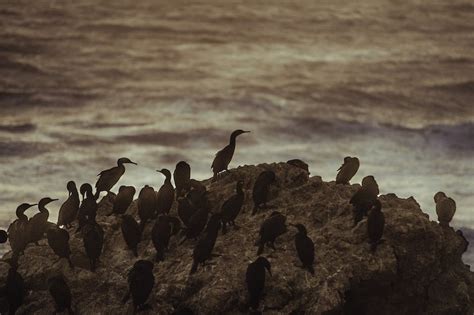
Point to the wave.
(20, 128)
(22, 148)
(465, 87)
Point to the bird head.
(23, 207)
(262, 261)
(124, 160)
(43, 202)
(439, 195)
(301, 228)
(237, 133)
(71, 186)
(165, 172)
(86, 188)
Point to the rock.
(416, 270)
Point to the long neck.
(42, 208)
(20, 215)
(232, 140)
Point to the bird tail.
(93, 265)
(126, 297)
(160, 254)
(254, 302)
(373, 247)
(194, 267)
(310, 268)
(261, 245)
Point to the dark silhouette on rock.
(165, 196)
(182, 178)
(196, 224)
(58, 240)
(271, 228)
(164, 227)
(38, 224)
(15, 290)
(146, 205)
(185, 210)
(3, 236)
(123, 199)
(140, 283)
(131, 233)
(364, 198)
(375, 225)
(93, 240)
(261, 189)
(300, 164)
(18, 231)
(304, 247)
(445, 208)
(183, 310)
(255, 280)
(88, 207)
(61, 294)
(203, 249)
(347, 170)
(224, 156)
(108, 178)
(231, 207)
(68, 211)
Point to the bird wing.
(109, 176)
(222, 159)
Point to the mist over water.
(85, 83)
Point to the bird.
(38, 224)
(300, 164)
(140, 283)
(18, 230)
(445, 208)
(231, 207)
(164, 227)
(364, 198)
(271, 228)
(108, 178)
(375, 225)
(88, 207)
(255, 280)
(196, 224)
(203, 249)
(59, 290)
(304, 247)
(185, 210)
(131, 233)
(3, 236)
(347, 170)
(146, 205)
(182, 178)
(224, 156)
(261, 189)
(123, 199)
(58, 240)
(68, 211)
(15, 289)
(165, 196)
(93, 240)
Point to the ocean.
(83, 83)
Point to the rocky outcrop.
(416, 270)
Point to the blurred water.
(83, 83)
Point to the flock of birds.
(192, 222)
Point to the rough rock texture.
(417, 270)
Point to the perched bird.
(304, 247)
(164, 227)
(182, 178)
(38, 224)
(15, 289)
(69, 209)
(123, 199)
(445, 208)
(108, 178)
(146, 205)
(88, 208)
(93, 240)
(347, 170)
(375, 225)
(205, 245)
(196, 224)
(364, 198)
(140, 282)
(61, 294)
(131, 232)
(198, 198)
(231, 207)
(3, 236)
(224, 156)
(261, 189)
(299, 163)
(165, 196)
(18, 229)
(271, 228)
(255, 279)
(185, 210)
(58, 240)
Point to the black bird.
(205, 245)
(255, 279)
(140, 282)
(445, 208)
(261, 189)
(15, 287)
(304, 247)
(183, 310)
(18, 230)
(271, 228)
(347, 170)
(108, 178)
(375, 225)
(185, 210)
(198, 198)
(182, 178)
(93, 239)
(69, 209)
(299, 163)
(131, 232)
(196, 224)
(364, 198)
(146, 205)
(38, 224)
(224, 156)
(88, 208)
(123, 199)
(58, 240)
(3, 236)
(165, 196)
(61, 294)
(164, 227)
(232, 206)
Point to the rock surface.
(417, 270)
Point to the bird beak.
(247, 131)
(54, 199)
(35, 204)
(159, 171)
(133, 163)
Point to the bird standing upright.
(38, 224)
(18, 231)
(445, 208)
(255, 279)
(182, 178)
(61, 294)
(224, 156)
(231, 207)
(261, 189)
(69, 209)
(123, 199)
(271, 228)
(347, 170)
(131, 233)
(364, 198)
(88, 207)
(108, 178)
(146, 205)
(58, 240)
(165, 196)
(375, 225)
(140, 283)
(204, 247)
(304, 247)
